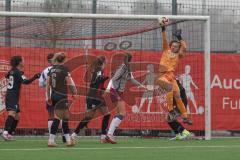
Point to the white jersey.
(120, 78)
(43, 78)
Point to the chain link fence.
(225, 21)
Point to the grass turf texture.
(126, 149)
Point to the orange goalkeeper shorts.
(168, 78)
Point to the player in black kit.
(181, 132)
(15, 78)
(58, 82)
(94, 99)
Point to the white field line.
(111, 148)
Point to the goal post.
(207, 70)
(73, 16)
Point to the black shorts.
(59, 101)
(93, 103)
(11, 106)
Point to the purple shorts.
(115, 95)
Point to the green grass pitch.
(126, 149)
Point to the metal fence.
(225, 21)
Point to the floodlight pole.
(174, 12)
(7, 24)
(94, 23)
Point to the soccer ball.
(135, 109)
(163, 21)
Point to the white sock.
(114, 124)
(67, 137)
(51, 138)
(5, 132)
(62, 128)
(103, 136)
(74, 134)
(49, 125)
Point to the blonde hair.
(59, 57)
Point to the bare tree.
(54, 28)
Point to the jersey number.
(10, 82)
(54, 80)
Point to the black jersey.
(97, 83)
(15, 78)
(58, 74)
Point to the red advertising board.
(144, 110)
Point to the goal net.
(84, 36)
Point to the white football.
(163, 21)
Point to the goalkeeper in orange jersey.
(171, 55)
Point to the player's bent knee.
(171, 118)
(13, 114)
(176, 95)
(58, 116)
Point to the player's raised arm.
(183, 44)
(162, 22)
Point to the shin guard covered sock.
(105, 121)
(82, 124)
(50, 121)
(65, 129)
(54, 129)
(181, 107)
(176, 127)
(14, 126)
(8, 124)
(115, 123)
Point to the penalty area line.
(112, 148)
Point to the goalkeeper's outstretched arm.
(164, 34)
(183, 48)
(183, 45)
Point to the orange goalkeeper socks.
(170, 101)
(181, 107)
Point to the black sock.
(176, 127)
(54, 126)
(14, 126)
(65, 126)
(8, 124)
(180, 127)
(82, 124)
(105, 121)
(63, 137)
